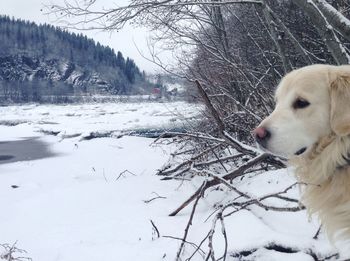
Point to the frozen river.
(22, 126)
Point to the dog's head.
(311, 102)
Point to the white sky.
(123, 41)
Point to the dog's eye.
(300, 103)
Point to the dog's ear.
(340, 104)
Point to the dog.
(310, 126)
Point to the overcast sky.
(123, 41)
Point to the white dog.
(311, 127)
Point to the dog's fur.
(323, 128)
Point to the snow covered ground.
(95, 199)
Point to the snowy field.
(95, 199)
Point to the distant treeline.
(40, 60)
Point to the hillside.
(43, 60)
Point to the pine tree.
(37, 44)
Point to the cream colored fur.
(323, 128)
(325, 186)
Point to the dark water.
(33, 148)
(24, 150)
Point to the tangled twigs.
(219, 122)
(188, 162)
(211, 255)
(233, 159)
(215, 181)
(258, 157)
(259, 202)
(11, 252)
(189, 223)
(240, 147)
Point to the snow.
(76, 120)
(87, 201)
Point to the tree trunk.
(325, 30)
(278, 39)
(335, 18)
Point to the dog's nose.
(262, 135)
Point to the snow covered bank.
(87, 203)
(95, 199)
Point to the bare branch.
(189, 223)
(155, 228)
